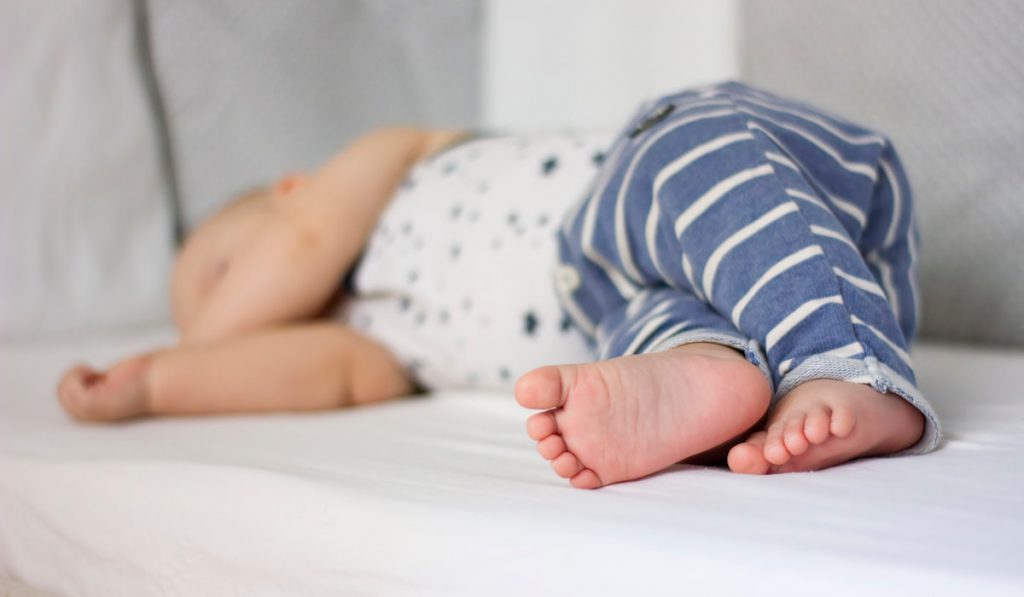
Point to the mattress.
(444, 495)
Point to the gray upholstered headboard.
(945, 80)
(251, 89)
(118, 115)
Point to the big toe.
(541, 388)
(748, 457)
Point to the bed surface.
(445, 495)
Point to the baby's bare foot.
(119, 393)
(628, 417)
(824, 422)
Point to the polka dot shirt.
(457, 279)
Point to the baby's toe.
(793, 434)
(551, 447)
(542, 388)
(748, 457)
(775, 450)
(566, 465)
(816, 427)
(586, 479)
(541, 425)
(843, 420)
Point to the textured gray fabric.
(255, 88)
(945, 80)
(85, 224)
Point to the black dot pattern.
(530, 323)
(457, 279)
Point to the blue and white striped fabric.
(731, 215)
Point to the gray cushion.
(945, 80)
(85, 218)
(255, 88)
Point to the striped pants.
(730, 215)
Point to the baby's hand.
(102, 396)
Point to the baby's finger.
(72, 382)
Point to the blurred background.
(125, 122)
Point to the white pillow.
(85, 223)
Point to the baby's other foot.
(825, 422)
(628, 417)
(115, 394)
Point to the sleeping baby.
(733, 272)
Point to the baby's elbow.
(397, 133)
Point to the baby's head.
(210, 248)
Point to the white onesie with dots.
(457, 279)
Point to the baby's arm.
(291, 268)
(289, 368)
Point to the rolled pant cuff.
(750, 349)
(871, 372)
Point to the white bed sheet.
(445, 495)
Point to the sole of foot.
(629, 417)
